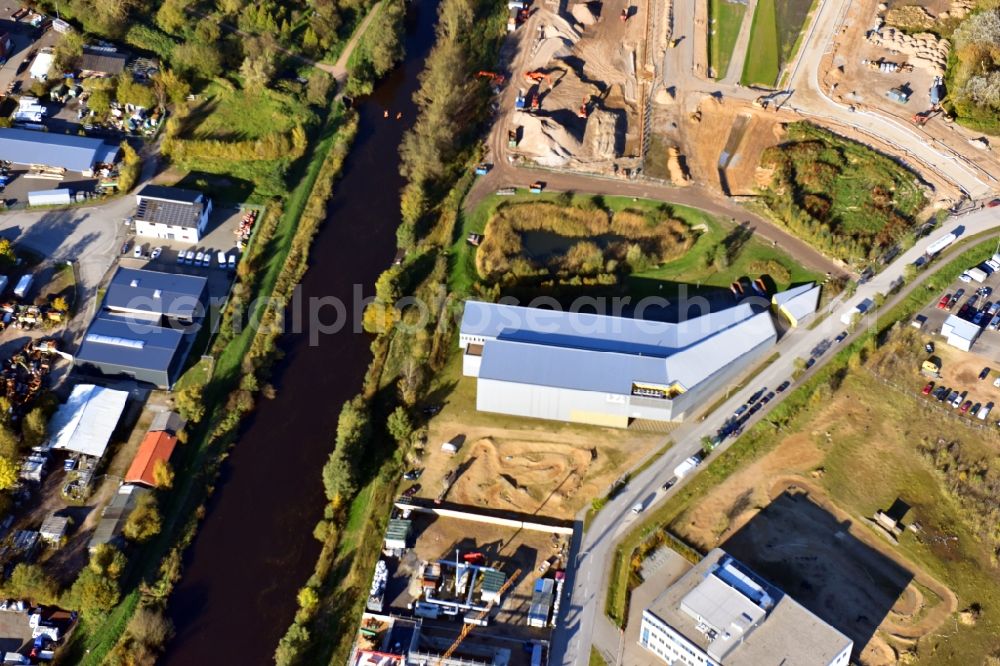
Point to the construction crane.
(466, 628)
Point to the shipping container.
(23, 285)
(60, 197)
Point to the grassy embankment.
(725, 19)
(695, 270)
(791, 415)
(775, 35)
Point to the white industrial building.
(797, 303)
(959, 332)
(85, 423)
(171, 213)
(720, 613)
(604, 370)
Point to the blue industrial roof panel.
(67, 151)
(129, 343)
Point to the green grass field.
(763, 51)
(774, 37)
(726, 18)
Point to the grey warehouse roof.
(165, 193)
(558, 351)
(128, 343)
(67, 151)
(169, 213)
(171, 294)
(783, 297)
(108, 62)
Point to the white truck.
(687, 466)
(23, 285)
(977, 274)
(861, 308)
(940, 244)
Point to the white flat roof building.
(959, 332)
(85, 423)
(797, 303)
(720, 613)
(604, 370)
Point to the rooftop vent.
(133, 283)
(156, 293)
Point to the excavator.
(497, 79)
(538, 76)
(920, 119)
(584, 109)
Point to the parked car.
(975, 408)
(963, 312)
(958, 399)
(978, 318)
(994, 308)
(412, 490)
(180, 257)
(952, 397)
(413, 474)
(156, 253)
(954, 299)
(756, 408)
(993, 203)
(637, 508)
(995, 323)
(756, 396)
(206, 260)
(964, 277)
(125, 246)
(928, 388)
(984, 411)
(965, 407)
(740, 411)
(943, 303)
(671, 482)
(994, 266)
(137, 252)
(783, 385)
(940, 393)
(840, 338)
(198, 257)
(810, 363)
(985, 291)
(232, 261)
(767, 398)
(929, 347)
(984, 374)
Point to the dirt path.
(339, 68)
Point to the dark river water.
(255, 547)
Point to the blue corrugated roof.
(159, 345)
(67, 151)
(171, 294)
(566, 358)
(595, 332)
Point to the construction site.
(457, 586)
(623, 89)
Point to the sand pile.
(547, 142)
(925, 50)
(555, 40)
(958, 9)
(605, 134)
(582, 13)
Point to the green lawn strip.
(761, 438)
(790, 47)
(595, 658)
(763, 51)
(197, 460)
(726, 19)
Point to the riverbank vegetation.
(245, 129)
(379, 49)
(842, 197)
(378, 428)
(543, 239)
(939, 479)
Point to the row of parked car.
(958, 400)
(204, 258)
(985, 313)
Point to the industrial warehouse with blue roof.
(55, 151)
(145, 326)
(603, 370)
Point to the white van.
(221, 258)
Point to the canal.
(255, 547)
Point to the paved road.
(584, 621)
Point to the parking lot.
(220, 236)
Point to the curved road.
(584, 622)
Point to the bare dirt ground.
(525, 465)
(775, 517)
(961, 370)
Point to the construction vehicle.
(536, 102)
(483, 168)
(624, 16)
(473, 621)
(584, 111)
(497, 79)
(538, 76)
(512, 138)
(536, 187)
(920, 119)
(520, 102)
